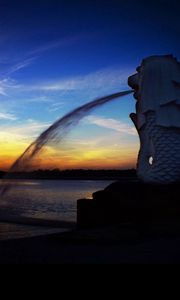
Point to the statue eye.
(151, 159)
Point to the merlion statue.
(157, 118)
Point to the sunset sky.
(57, 55)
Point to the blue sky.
(57, 55)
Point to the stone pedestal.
(130, 202)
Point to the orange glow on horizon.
(72, 155)
(90, 159)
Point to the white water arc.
(55, 133)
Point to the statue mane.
(159, 90)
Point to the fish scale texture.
(166, 159)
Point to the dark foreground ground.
(134, 223)
(157, 244)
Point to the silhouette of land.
(74, 174)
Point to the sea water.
(44, 199)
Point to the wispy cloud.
(30, 128)
(7, 116)
(39, 99)
(12, 65)
(27, 130)
(102, 79)
(20, 65)
(67, 41)
(55, 106)
(2, 90)
(113, 124)
(8, 84)
(29, 57)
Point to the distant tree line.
(71, 174)
(2, 174)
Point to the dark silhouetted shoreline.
(74, 174)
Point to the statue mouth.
(136, 95)
(133, 82)
(136, 92)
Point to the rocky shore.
(130, 201)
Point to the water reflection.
(48, 199)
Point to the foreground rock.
(130, 202)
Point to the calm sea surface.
(43, 199)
